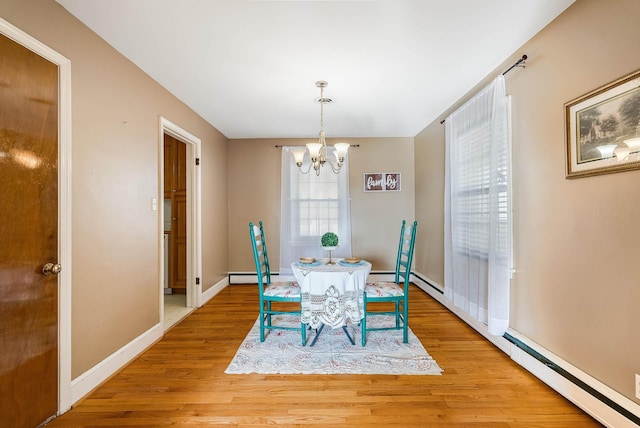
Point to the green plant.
(329, 239)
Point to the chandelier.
(318, 151)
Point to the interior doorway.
(175, 231)
(180, 249)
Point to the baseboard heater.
(426, 281)
(556, 368)
(579, 383)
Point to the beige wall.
(429, 159)
(115, 151)
(254, 194)
(576, 289)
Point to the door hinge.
(197, 161)
(197, 281)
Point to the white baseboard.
(210, 293)
(574, 393)
(590, 404)
(244, 277)
(92, 378)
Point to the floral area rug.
(282, 352)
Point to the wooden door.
(169, 162)
(28, 236)
(175, 182)
(180, 224)
(180, 242)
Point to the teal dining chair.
(270, 292)
(396, 292)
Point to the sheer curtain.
(311, 206)
(478, 207)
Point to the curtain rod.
(518, 63)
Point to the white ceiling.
(249, 67)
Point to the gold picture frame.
(603, 129)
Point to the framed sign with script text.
(381, 181)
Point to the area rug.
(282, 352)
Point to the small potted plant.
(329, 242)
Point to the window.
(473, 193)
(318, 204)
(478, 207)
(311, 206)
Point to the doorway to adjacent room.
(180, 235)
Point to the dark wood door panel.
(28, 235)
(175, 179)
(180, 242)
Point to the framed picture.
(381, 181)
(603, 129)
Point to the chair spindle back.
(260, 254)
(405, 253)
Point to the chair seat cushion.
(383, 289)
(282, 289)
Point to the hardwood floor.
(180, 381)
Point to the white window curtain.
(478, 207)
(311, 206)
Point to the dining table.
(331, 292)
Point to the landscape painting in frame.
(603, 129)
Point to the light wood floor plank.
(180, 381)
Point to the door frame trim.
(64, 204)
(194, 218)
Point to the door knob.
(51, 269)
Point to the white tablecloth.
(331, 294)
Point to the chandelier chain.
(321, 108)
